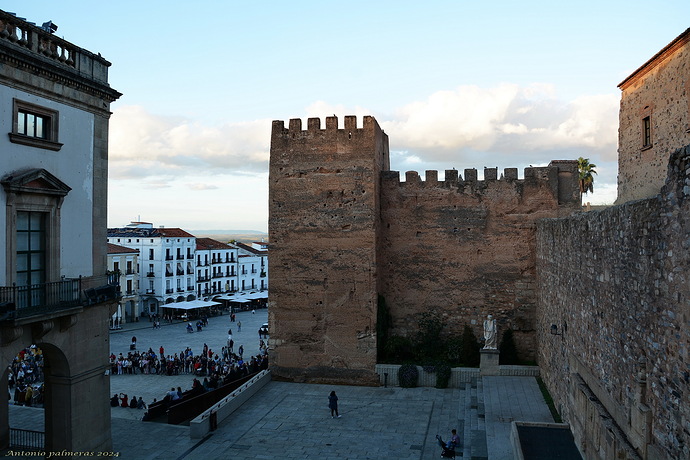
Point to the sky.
(454, 84)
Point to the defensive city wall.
(615, 284)
(344, 229)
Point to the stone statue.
(489, 333)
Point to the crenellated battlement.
(293, 145)
(295, 131)
(560, 177)
(543, 174)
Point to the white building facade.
(124, 263)
(55, 292)
(216, 268)
(166, 263)
(253, 266)
(175, 266)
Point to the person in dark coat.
(333, 404)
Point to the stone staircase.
(467, 417)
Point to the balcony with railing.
(169, 257)
(168, 273)
(180, 272)
(169, 291)
(18, 302)
(150, 274)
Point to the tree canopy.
(586, 169)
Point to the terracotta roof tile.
(117, 249)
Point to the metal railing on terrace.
(26, 439)
(46, 298)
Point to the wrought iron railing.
(26, 439)
(45, 298)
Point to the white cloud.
(182, 164)
(506, 121)
(202, 186)
(142, 144)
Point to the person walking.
(239, 326)
(333, 405)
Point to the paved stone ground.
(292, 421)
(174, 338)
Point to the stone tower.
(324, 196)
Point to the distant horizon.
(229, 231)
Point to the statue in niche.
(489, 333)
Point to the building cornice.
(37, 53)
(655, 60)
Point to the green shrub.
(408, 376)
(454, 350)
(383, 326)
(442, 375)
(470, 348)
(508, 351)
(398, 350)
(428, 343)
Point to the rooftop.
(117, 249)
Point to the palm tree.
(586, 169)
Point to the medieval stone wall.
(323, 225)
(615, 283)
(659, 90)
(344, 229)
(465, 248)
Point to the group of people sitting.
(123, 401)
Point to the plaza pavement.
(292, 421)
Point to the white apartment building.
(253, 266)
(175, 266)
(166, 259)
(124, 263)
(216, 268)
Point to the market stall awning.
(257, 295)
(237, 298)
(190, 305)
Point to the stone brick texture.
(343, 229)
(323, 225)
(618, 279)
(465, 248)
(658, 91)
